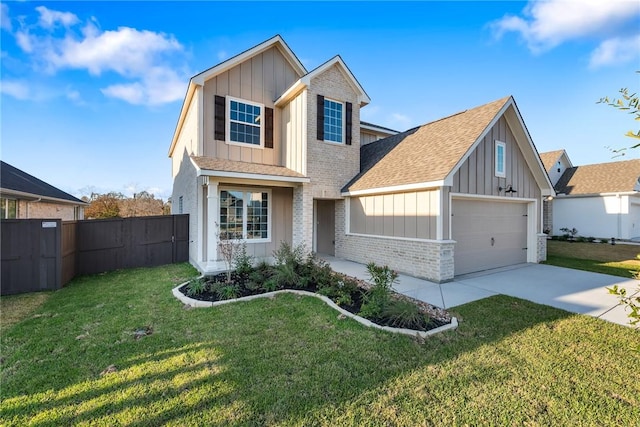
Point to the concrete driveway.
(575, 291)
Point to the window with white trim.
(500, 161)
(333, 121)
(245, 122)
(8, 208)
(244, 214)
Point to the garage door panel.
(488, 234)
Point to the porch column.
(303, 216)
(212, 220)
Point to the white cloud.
(400, 121)
(547, 24)
(222, 55)
(50, 18)
(5, 21)
(159, 87)
(143, 58)
(127, 51)
(615, 50)
(15, 88)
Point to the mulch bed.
(435, 316)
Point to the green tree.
(629, 103)
(104, 206)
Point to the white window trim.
(228, 122)
(245, 190)
(498, 173)
(344, 124)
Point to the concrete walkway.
(575, 291)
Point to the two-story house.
(267, 151)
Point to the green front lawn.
(617, 260)
(292, 361)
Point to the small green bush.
(226, 290)
(197, 286)
(377, 298)
(243, 262)
(404, 314)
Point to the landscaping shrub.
(197, 286)
(404, 314)
(243, 262)
(294, 268)
(377, 298)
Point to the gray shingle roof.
(600, 178)
(14, 179)
(423, 154)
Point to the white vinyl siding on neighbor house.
(401, 215)
(333, 121)
(245, 214)
(501, 159)
(598, 216)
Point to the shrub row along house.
(267, 151)
(600, 200)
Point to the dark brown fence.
(47, 254)
(31, 258)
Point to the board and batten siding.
(262, 78)
(477, 174)
(293, 128)
(404, 215)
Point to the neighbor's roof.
(18, 183)
(600, 178)
(236, 167)
(550, 158)
(424, 154)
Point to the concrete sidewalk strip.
(575, 291)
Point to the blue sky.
(91, 91)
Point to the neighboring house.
(24, 196)
(555, 163)
(600, 200)
(267, 151)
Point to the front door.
(325, 227)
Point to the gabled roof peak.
(276, 40)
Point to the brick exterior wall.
(431, 260)
(187, 186)
(330, 166)
(542, 248)
(32, 209)
(302, 216)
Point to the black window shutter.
(320, 120)
(219, 121)
(268, 127)
(349, 123)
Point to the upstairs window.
(245, 122)
(333, 121)
(500, 159)
(237, 121)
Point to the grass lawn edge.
(412, 332)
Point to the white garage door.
(488, 234)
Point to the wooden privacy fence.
(47, 254)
